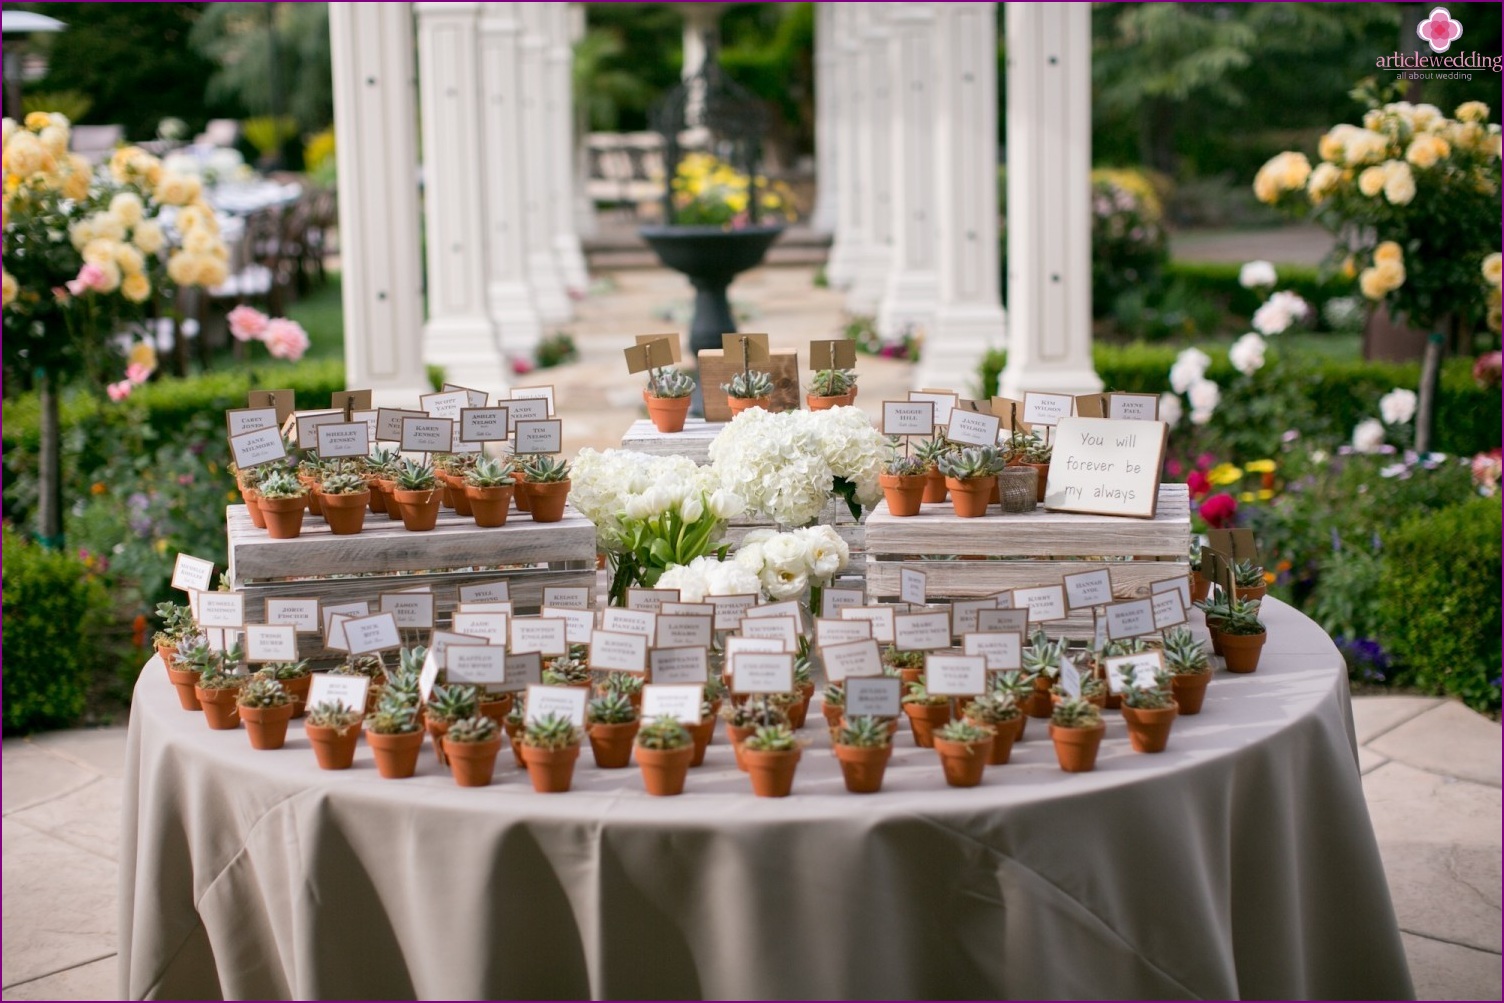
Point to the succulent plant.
(1157, 696)
(333, 714)
(919, 695)
(1242, 617)
(370, 665)
(414, 476)
(1012, 684)
(343, 484)
(566, 670)
(285, 670)
(197, 657)
(865, 733)
(971, 463)
(177, 623)
(803, 671)
(281, 484)
(1028, 447)
(216, 677)
(754, 712)
(901, 465)
(670, 383)
(832, 382)
(457, 464)
(994, 708)
(625, 683)
(835, 695)
(1247, 575)
(930, 451)
(383, 462)
(749, 385)
(715, 688)
(478, 728)
(452, 703)
(411, 659)
(899, 659)
(393, 716)
(405, 685)
(611, 708)
(963, 731)
(263, 692)
(1075, 713)
(771, 738)
(490, 472)
(1042, 656)
(664, 733)
(1184, 655)
(551, 731)
(518, 714)
(547, 470)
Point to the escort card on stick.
(579, 624)
(837, 354)
(413, 610)
(499, 591)
(483, 665)
(484, 424)
(1180, 584)
(271, 642)
(908, 418)
(440, 640)
(538, 437)
(566, 701)
(970, 428)
(524, 669)
(253, 449)
(1002, 650)
(300, 614)
(1088, 588)
(1045, 603)
(749, 348)
(921, 631)
(621, 652)
(1139, 669)
(221, 609)
(1106, 467)
(683, 631)
(543, 393)
(545, 636)
(250, 419)
(630, 621)
(911, 586)
(389, 422)
(473, 397)
(835, 631)
(566, 596)
(334, 633)
(945, 401)
(964, 613)
(679, 665)
(672, 339)
(494, 627)
(350, 400)
(682, 703)
(1133, 407)
(881, 618)
(729, 610)
(1070, 678)
(348, 691)
(833, 600)
(787, 607)
(1169, 611)
(1237, 542)
(687, 609)
(338, 438)
(308, 426)
(192, 573)
(281, 401)
(1091, 406)
(650, 600)
(736, 645)
(955, 675)
(851, 659)
(782, 629)
(427, 435)
(763, 672)
(654, 354)
(1047, 409)
(367, 634)
(1003, 620)
(527, 409)
(484, 607)
(447, 404)
(872, 696)
(1134, 618)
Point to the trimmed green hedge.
(1219, 280)
(1439, 601)
(53, 608)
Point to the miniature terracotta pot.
(1004, 734)
(459, 497)
(737, 735)
(267, 726)
(297, 688)
(311, 498)
(903, 492)
(334, 750)
(740, 404)
(1214, 629)
(1190, 690)
(799, 712)
(551, 770)
(1038, 703)
(1076, 748)
(969, 498)
(473, 763)
(252, 500)
(396, 754)
(221, 712)
(910, 675)
(924, 719)
(772, 773)
(862, 767)
(963, 762)
(1149, 730)
(377, 501)
(546, 500)
(284, 516)
(496, 709)
(514, 736)
(345, 514)
(519, 483)
(489, 506)
(703, 734)
(668, 413)
(834, 714)
(1251, 592)
(420, 509)
(826, 403)
(1200, 587)
(1242, 651)
(664, 770)
(438, 729)
(611, 744)
(934, 486)
(387, 486)
(186, 683)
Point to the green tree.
(271, 58)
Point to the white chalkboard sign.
(1106, 467)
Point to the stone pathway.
(1430, 772)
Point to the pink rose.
(120, 391)
(285, 339)
(1218, 510)
(138, 372)
(89, 277)
(247, 323)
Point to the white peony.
(1368, 436)
(1247, 354)
(1170, 409)
(1279, 312)
(1200, 416)
(705, 576)
(1397, 406)
(1204, 395)
(1254, 274)
(785, 552)
(827, 552)
(1190, 365)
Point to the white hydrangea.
(1255, 274)
(1368, 435)
(1247, 354)
(1397, 406)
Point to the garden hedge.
(1219, 280)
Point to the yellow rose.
(212, 272)
(108, 227)
(1472, 111)
(80, 233)
(1322, 181)
(1388, 251)
(135, 287)
(1365, 146)
(1283, 172)
(191, 218)
(1371, 181)
(1425, 116)
(142, 353)
(76, 181)
(182, 269)
(129, 259)
(1370, 286)
(100, 251)
(1399, 184)
(148, 236)
(8, 287)
(198, 241)
(55, 140)
(1349, 267)
(178, 189)
(1389, 274)
(1491, 268)
(38, 120)
(1330, 147)
(127, 208)
(8, 128)
(1426, 150)
(25, 155)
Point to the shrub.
(53, 605)
(1439, 602)
(1218, 280)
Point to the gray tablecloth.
(1238, 864)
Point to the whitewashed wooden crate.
(693, 442)
(967, 558)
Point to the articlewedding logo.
(1439, 29)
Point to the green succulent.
(551, 731)
(901, 465)
(198, 657)
(835, 695)
(285, 670)
(664, 733)
(832, 382)
(383, 461)
(865, 733)
(457, 464)
(625, 683)
(453, 703)
(1184, 655)
(177, 623)
(1155, 697)
(611, 708)
(333, 714)
(411, 659)
(803, 672)
(771, 738)
(749, 385)
(670, 384)
(518, 714)
(490, 472)
(1042, 656)
(566, 670)
(263, 692)
(343, 484)
(370, 665)
(415, 476)
(281, 484)
(547, 470)
(1028, 447)
(932, 450)
(715, 688)
(1242, 618)
(1076, 713)
(393, 716)
(405, 685)
(1247, 575)
(964, 731)
(902, 659)
(994, 708)
(919, 695)
(972, 463)
(477, 728)
(754, 712)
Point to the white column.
(850, 120)
(459, 335)
(699, 19)
(508, 299)
(559, 63)
(912, 294)
(871, 277)
(585, 222)
(827, 104)
(375, 111)
(543, 273)
(970, 318)
(1049, 212)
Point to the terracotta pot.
(612, 744)
(826, 403)
(664, 770)
(1190, 690)
(420, 509)
(386, 486)
(963, 762)
(496, 709)
(377, 501)
(1042, 475)
(473, 763)
(799, 712)
(1005, 733)
(969, 498)
(221, 712)
(1076, 748)
(267, 726)
(1200, 587)
(489, 506)
(519, 494)
(934, 486)
(438, 729)
(1250, 592)
(668, 413)
(903, 492)
(186, 683)
(298, 690)
(346, 514)
(834, 714)
(551, 770)
(546, 500)
(284, 516)
(396, 755)
(333, 750)
(1149, 730)
(252, 499)
(772, 773)
(862, 767)
(703, 734)
(514, 734)
(740, 404)
(1038, 703)
(311, 499)
(924, 719)
(736, 736)
(1242, 651)
(459, 497)
(1215, 631)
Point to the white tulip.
(691, 508)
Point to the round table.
(1240, 863)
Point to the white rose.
(784, 584)
(1247, 354)
(1368, 436)
(1204, 396)
(1200, 416)
(785, 552)
(749, 556)
(1397, 406)
(1170, 409)
(1183, 374)
(1256, 273)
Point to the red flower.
(1218, 510)
(1198, 482)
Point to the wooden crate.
(967, 558)
(693, 442)
(385, 557)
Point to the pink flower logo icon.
(1439, 29)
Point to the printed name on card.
(682, 703)
(355, 607)
(368, 634)
(524, 669)
(729, 610)
(279, 400)
(566, 596)
(945, 402)
(389, 422)
(783, 629)
(1129, 619)
(684, 631)
(475, 398)
(427, 435)
(1088, 588)
(413, 610)
(1139, 669)
(494, 627)
(830, 631)
(1003, 620)
(567, 702)
(1047, 409)
(257, 447)
(921, 631)
(622, 652)
(833, 600)
(1003, 650)
(762, 672)
(630, 621)
(250, 419)
(679, 665)
(1133, 407)
(736, 645)
(578, 623)
(271, 642)
(911, 586)
(546, 636)
(881, 618)
(1070, 678)
(338, 438)
(955, 675)
(1180, 584)
(1169, 611)
(650, 600)
(1106, 467)
(787, 607)
(852, 659)
(498, 591)
(872, 696)
(908, 418)
(687, 609)
(221, 609)
(484, 424)
(440, 640)
(308, 425)
(535, 409)
(970, 428)
(447, 404)
(538, 437)
(1044, 603)
(963, 614)
(349, 691)
(301, 614)
(480, 665)
(192, 573)
(543, 393)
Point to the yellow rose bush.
(1413, 198)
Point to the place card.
(964, 612)
(833, 600)
(538, 437)
(839, 353)
(350, 400)
(787, 607)
(944, 401)
(851, 659)
(348, 691)
(547, 636)
(1010, 414)
(221, 609)
(579, 624)
(682, 703)
(192, 573)
(484, 424)
(1132, 407)
(567, 596)
(367, 634)
(671, 339)
(1004, 600)
(830, 631)
(970, 428)
(1088, 588)
(494, 627)
(413, 610)
(1047, 409)
(630, 621)
(566, 701)
(1169, 611)
(1070, 678)
(1002, 650)
(447, 404)
(736, 645)
(955, 675)
(334, 632)
(729, 610)
(482, 665)
(687, 609)
(1180, 584)
(1139, 669)
(1091, 406)
(280, 401)
(776, 628)
(1044, 603)
(622, 652)
(485, 607)
(1237, 542)
(499, 591)
(254, 449)
(650, 600)
(908, 418)
(339, 438)
(427, 435)
(524, 669)
(308, 424)
(271, 642)
(921, 631)
(543, 393)
(301, 614)
(367, 418)
(911, 586)
(389, 422)
(1133, 618)
(762, 672)
(655, 353)
(473, 397)
(1003, 621)
(530, 409)
(755, 347)
(679, 665)
(239, 420)
(428, 675)
(440, 640)
(881, 618)
(1106, 467)
(684, 631)
(875, 696)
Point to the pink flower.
(285, 339)
(521, 367)
(120, 391)
(89, 277)
(1218, 510)
(1487, 369)
(247, 323)
(138, 372)
(1198, 483)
